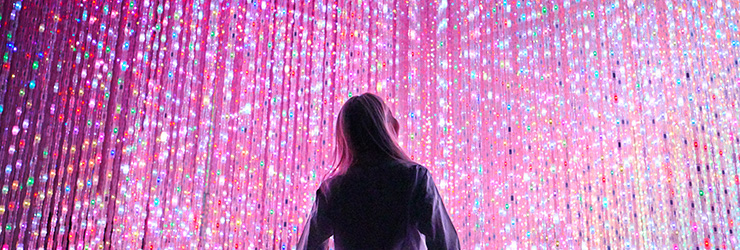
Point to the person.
(376, 197)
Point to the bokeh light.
(209, 124)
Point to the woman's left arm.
(318, 229)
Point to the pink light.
(196, 124)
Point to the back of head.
(365, 129)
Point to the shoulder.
(407, 164)
(329, 185)
(414, 167)
(417, 172)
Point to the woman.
(376, 197)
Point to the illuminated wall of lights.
(209, 124)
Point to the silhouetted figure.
(376, 197)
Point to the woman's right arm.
(434, 222)
(318, 229)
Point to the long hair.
(365, 126)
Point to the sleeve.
(318, 229)
(434, 222)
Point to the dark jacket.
(380, 206)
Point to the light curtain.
(210, 124)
